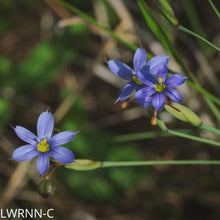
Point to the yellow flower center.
(160, 87)
(137, 81)
(43, 146)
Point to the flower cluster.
(43, 145)
(149, 80)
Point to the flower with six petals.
(43, 145)
(158, 87)
(132, 76)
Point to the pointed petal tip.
(76, 132)
(43, 163)
(25, 135)
(116, 101)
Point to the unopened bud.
(46, 188)
(84, 165)
(154, 120)
(124, 105)
(183, 113)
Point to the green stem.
(204, 126)
(210, 129)
(145, 135)
(186, 30)
(191, 137)
(214, 8)
(168, 132)
(160, 162)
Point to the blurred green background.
(53, 59)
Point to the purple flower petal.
(175, 80)
(121, 69)
(61, 138)
(145, 92)
(126, 91)
(159, 101)
(145, 102)
(140, 58)
(156, 63)
(62, 154)
(43, 163)
(45, 125)
(25, 152)
(173, 94)
(162, 73)
(26, 135)
(145, 77)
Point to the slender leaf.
(214, 8)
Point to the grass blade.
(214, 8)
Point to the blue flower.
(139, 62)
(43, 145)
(158, 88)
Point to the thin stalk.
(168, 132)
(160, 162)
(204, 126)
(209, 128)
(186, 30)
(191, 137)
(145, 135)
(214, 8)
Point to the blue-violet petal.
(140, 58)
(62, 154)
(26, 135)
(175, 80)
(145, 77)
(162, 73)
(173, 94)
(25, 152)
(43, 163)
(45, 125)
(156, 63)
(61, 138)
(126, 91)
(145, 102)
(145, 92)
(121, 69)
(159, 101)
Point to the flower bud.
(183, 113)
(84, 165)
(154, 120)
(46, 188)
